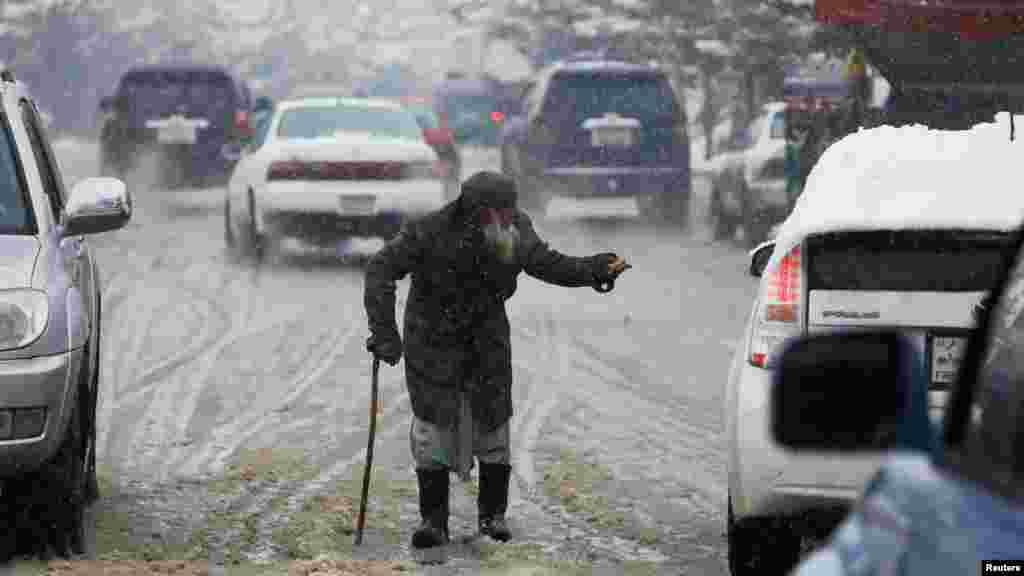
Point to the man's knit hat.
(490, 190)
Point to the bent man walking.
(464, 260)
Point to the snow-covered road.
(203, 356)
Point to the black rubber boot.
(492, 501)
(433, 528)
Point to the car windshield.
(477, 106)
(163, 92)
(312, 122)
(577, 97)
(16, 216)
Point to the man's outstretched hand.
(617, 266)
(608, 266)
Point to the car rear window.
(157, 92)
(16, 216)
(578, 96)
(311, 122)
(905, 261)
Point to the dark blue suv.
(598, 128)
(180, 115)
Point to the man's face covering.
(500, 234)
(491, 198)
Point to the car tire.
(755, 230)
(759, 546)
(92, 489)
(255, 244)
(229, 234)
(723, 226)
(9, 530)
(66, 472)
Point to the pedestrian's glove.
(387, 348)
(606, 269)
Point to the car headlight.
(23, 317)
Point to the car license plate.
(176, 134)
(611, 136)
(947, 353)
(356, 205)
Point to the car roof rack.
(7, 75)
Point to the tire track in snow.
(194, 384)
(550, 393)
(340, 466)
(226, 438)
(665, 431)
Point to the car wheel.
(722, 225)
(9, 528)
(229, 232)
(65, 474)
(92, 489)
(255, 246)
(755, 230)
(760, 546)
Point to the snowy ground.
(204, 356)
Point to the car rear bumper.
(765, 480)
(201, 160)
(325, 229)
(322, 212)
(43, 382)
(615, 182)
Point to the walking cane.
(369, 451)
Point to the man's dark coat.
(456, 332)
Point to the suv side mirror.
(850, 392)
(96, 205)
(759, 258)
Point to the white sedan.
(326, 170)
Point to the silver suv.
(49, 334)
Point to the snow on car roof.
(911, 177)
(340, 101)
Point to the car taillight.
(242, 123)
(497, 117)
(285, 171)
(779, 310)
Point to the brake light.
(285, 171)
(242, 123)
(327, 171)
(497, 117)
(779, 314)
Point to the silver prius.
(49, 333)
